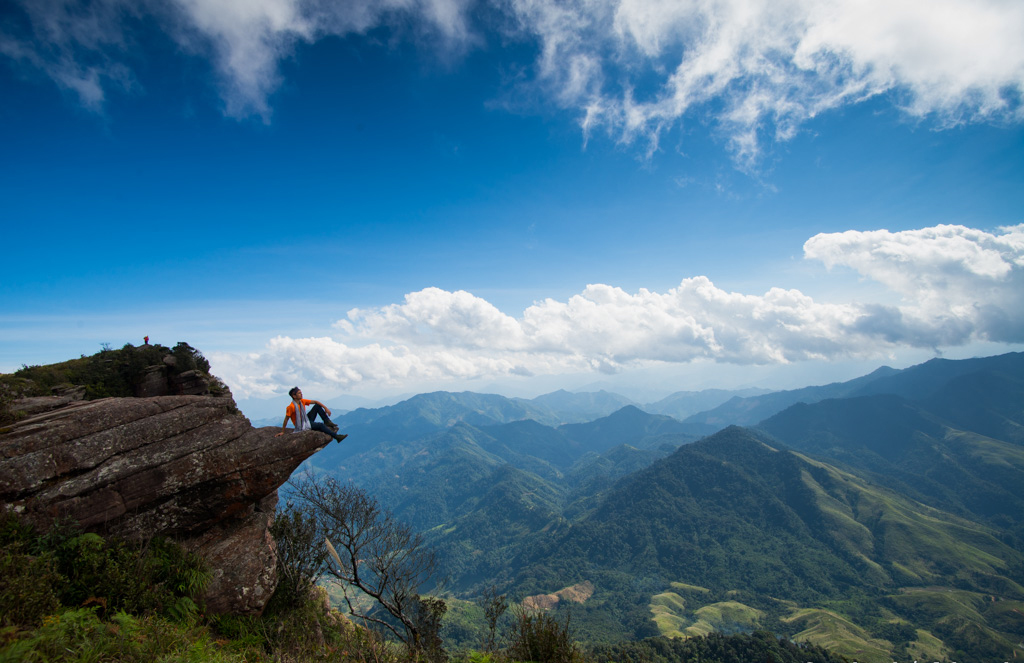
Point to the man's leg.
(317, 411)
(318, 426)
(327, 426)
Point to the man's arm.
(284, 426)
(326, 409)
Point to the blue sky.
(392, 197)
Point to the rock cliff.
(188, 467)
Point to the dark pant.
(317, 411)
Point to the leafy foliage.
(300, 557)
(106, 373)
(541, 637)
(66, 567)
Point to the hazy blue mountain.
(988, 401)
(582, 406)
(908, 448)
(752, 409)
(920, 382)
(531, 438)
(683, 404)
(425, 414)
(917, 383)
(630, 425)
(426, 481)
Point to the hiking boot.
(339, 438)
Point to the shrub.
(27, 588)
(80, 635)
(541, 638)
(300, 557)
(84, 569)
(154, 577)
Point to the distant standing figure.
(303, 420)
(146, 339)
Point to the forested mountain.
(922, 382)
(776, 534)
(683, 404)
(579, 407)
(903, 446)
(880, 517)
(630, 425)
(752, 409)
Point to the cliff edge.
(190, 467)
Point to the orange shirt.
(290, 411)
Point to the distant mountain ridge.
(922, 381)
(946, 433)
(851, 512)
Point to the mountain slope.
(425, 414)
(990, 402)
(916, 383)
(582, 406)
(683, 404)
(907, 448)
(750, 410)
(731, 513)
(630, 425)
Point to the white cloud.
(633, 67)
(773, 64)
(82, 46)
(956, 282)
(959, 285)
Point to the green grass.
(838, 634)
(80, 635)
(926, 647)
(671, 601)
(730, 614)
(669, 613)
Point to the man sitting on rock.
(296, 411)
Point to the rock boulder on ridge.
(188, 467)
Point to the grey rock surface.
(188, 467)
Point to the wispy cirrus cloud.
(958, 285)
(757, 69)
(760, 69)
(84, 46)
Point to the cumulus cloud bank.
(757, 68)
(957, 285)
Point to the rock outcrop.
(188, 467)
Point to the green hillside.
(630, 425)
(783, 533)
(849, 522)
(906, 448)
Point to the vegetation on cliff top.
(107, 373)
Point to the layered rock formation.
(189, 467)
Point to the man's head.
(295, 393)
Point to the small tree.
(540, 637)
(373, 555)
(428, 615)
(300, 556)
(494, 605)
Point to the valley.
(880, 518)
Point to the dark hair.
(291, 392)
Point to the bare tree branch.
(371, 552)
